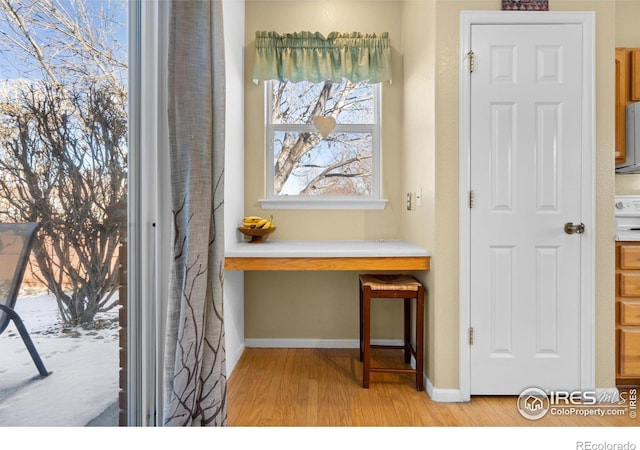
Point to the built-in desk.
(327, 255)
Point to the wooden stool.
(392, 286)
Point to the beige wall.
(419, 159)
(627, 35)
(319, 305)
(627, 31)
(420, 150)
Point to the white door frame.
(587, 313)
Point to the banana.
(254, 222)
(269, 223)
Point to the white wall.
(233, 14)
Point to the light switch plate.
(411, 201)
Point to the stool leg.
(419, 338)
(361, 323)
(407, 330)
(366, 319)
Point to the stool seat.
(390, 282)
(394, 286)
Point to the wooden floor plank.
(323, 387)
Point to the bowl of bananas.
(257, 228)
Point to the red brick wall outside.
(30, 283)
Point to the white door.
(526, 158)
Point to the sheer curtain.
(195, 375)
(312, 57)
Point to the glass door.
(64, 151)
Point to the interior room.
(420, 116)
(420, 141)
(455, 187)
(423, 185)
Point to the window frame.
(149, 212)
(371, 201)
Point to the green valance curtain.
(312, 57)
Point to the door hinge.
(470, 335)
(472, 199)
(472, 61)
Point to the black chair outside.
(16, 240)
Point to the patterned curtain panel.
(307, 56)
(195, 373)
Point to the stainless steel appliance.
(627, 217)
(632, 161)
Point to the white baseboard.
(314, 343)
(440, 395)
(232, 359)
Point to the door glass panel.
(63, 163)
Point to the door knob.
(571, 228)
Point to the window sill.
(322, 203)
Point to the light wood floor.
(322, 387)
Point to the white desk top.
(325, 249)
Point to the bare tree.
(346, 167)
(63, 147)
(63, 42)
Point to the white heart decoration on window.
(324, 125)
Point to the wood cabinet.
(627, 313)
(627, 91)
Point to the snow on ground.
(83, 365)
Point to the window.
(323, 145)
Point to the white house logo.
(533, 403)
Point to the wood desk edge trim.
(329, 263)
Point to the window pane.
(306, 164)
(63, 163)
(299, 103)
